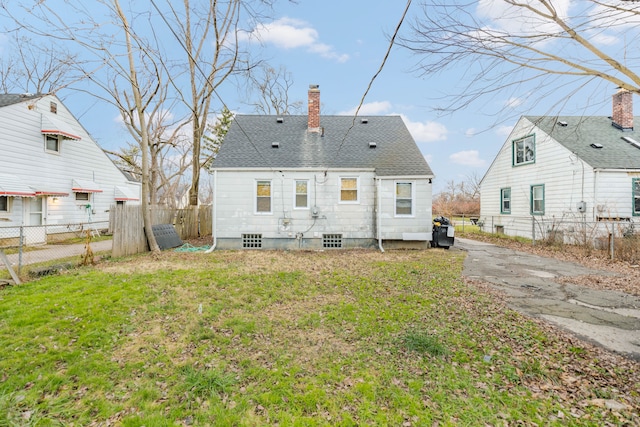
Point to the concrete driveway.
(530, 283)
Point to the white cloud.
(428, 158)
(522, 20)
(288, 33)
(467, 158)
(604, 39)
(471, 132)
(369, 109)
(514, 102)
(426, 131)
(504, 130)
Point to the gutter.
(379, 232)
(215, 213)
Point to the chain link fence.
(39, 246)
(620, 238)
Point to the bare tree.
(272, 88)
(207, 35)
(37, 68)
(507, 45)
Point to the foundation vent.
(252, 241)
(331, 241)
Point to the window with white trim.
(52, 143)
(404, 199)
(636, 196)
(349, 190)
(4, 204)
(301, 196)
(537, 199)
(524, 150)
(505, 200)
(263, 197)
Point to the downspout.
(214, 213)
(379, 224)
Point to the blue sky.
(340, 45)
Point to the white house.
(563, 174)
(313, 182)
(52, 173)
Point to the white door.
(35, 233)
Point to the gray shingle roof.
(580, 132)
(248, 144)
(7, 99)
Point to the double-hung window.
(263, 197)
(636, 196)
(52, 143)
(404, 199)
(537, 199)
(4, 204)
(349, 190)
(505, 200)
(301, 196)
(524, 150)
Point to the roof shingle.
(248, 144)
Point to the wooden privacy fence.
(126, 225)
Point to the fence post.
(20, 244)
(611, 244)
(463, 223)
(533, 230)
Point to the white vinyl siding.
(25, 155)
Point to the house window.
(404, 198)
(263, 196)
(505, 200)
(301, 194)
(52, 143)
(636, 196)
(82, 197)
(53, 107)
(537, 200)
(4, 204)
(524, 150)
(349, 190)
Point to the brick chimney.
(314, 109)
(623, 110)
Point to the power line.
(180, 42)
(384, 60)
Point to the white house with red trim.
(52, 173)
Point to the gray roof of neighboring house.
(7, 99)
(248, 144)
(580, 132)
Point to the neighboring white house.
(312, 182)
(52, 173)
(558, 173)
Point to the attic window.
(373, 144)
(364, 121)
(53, 107)
(562, 123)
(631, 141)
(596, 145)
(275, 144)
(279, 120)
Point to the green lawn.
(291, 339)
